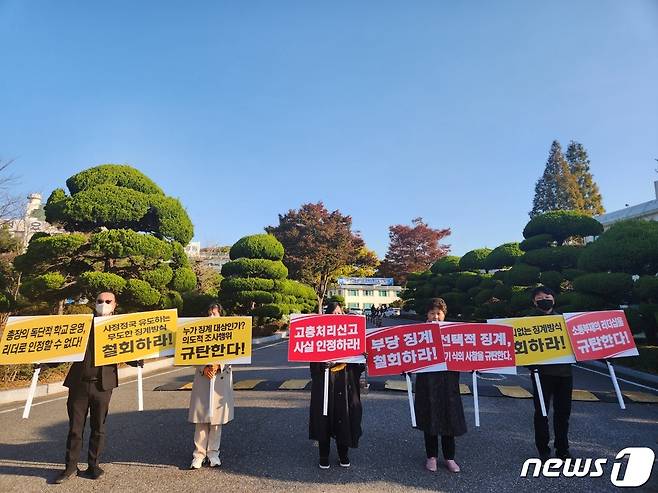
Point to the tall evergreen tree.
(579, 166)
(557, 189)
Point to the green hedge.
(474, 260)
(503, 256)
(445, 265)
(263, 246)
(252, 267)
(523, 275)
(535, 242)
(562, 225)
(553, 258)
(615, 287)
(235, 284)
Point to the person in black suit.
(90, 389)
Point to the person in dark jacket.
(557, 385)
(438, 405)
(343, 420)
(90, 389)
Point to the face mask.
(103, 309)
(545, 305)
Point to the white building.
(34, 220)
(646, 210)
(366, 292)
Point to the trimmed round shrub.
(535, 242)
(502, 292)
(554, 258)
(628, 246)
(503, 256)
(178, 256)
(171, 299)
(454, 299)
(553, 279)
(234, 284)
(445, 265)
(117, 243)
(159, 277)
(474, 260)
(571, 274)
(268, 311)
(97, 282)
(575, 301)
(646, 288)
(184, 280)
(562, 225)
(255, 267)
(257, 246)
(49, 248)
(78, 309)
(614, 287)
(467, 280)
(120, 175)
(141, 293)
(259, 297)
(170, 220)
(483, 296)
(523, 275)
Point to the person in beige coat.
(208, 429)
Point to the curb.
(621, 371)
(49, 389)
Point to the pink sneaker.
(452, 466)
(430, 464)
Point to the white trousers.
(206, 440)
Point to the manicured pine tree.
(557, 189)
(579, 166)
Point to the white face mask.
(103, 309)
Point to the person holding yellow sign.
(90, 389)
(556, 384)
(211, 406)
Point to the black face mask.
(545, 305)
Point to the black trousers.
(325, 447)
(447, 446)
(86, 396)
(558, 389)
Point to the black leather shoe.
(92, 472)
(65, 475)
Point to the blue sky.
(385, 110)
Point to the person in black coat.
(90, 389)
(438, 405)
(343, 420)
(557, 385)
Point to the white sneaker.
(214, 461)
(196, 463)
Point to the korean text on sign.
(600, 335)
(477, 346)
(326, 337)
(541, 340)
(134, 336)
(51, 338)
(403, 349)
(212, 340)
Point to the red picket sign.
(318, 338)
(478, 346)
(404, 348)
(600, 335)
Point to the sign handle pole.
(613, 377)
(211, 398)
(411, 400)
(31, 392)
(325, 404)
(140, 389)
(476, 400)
(540, 393)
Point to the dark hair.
(541, 289)
(331, 307)
(213, 305)
(113, 293)
(437, 304)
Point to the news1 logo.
(639, 465)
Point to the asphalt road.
(266, 446)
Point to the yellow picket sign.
(134, 336)
(542, 340)
(45, 339)
(212, 340)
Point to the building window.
(368, 293)
(368, 305)
(354, 292)
(383, 293)
(353, 305)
